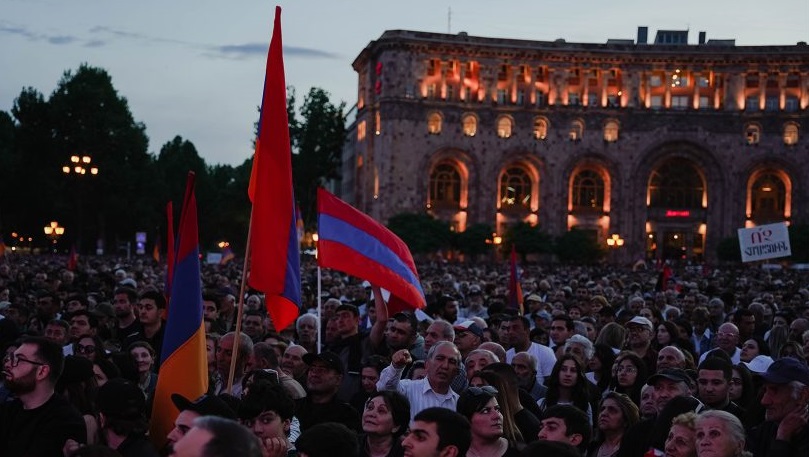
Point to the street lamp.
(54, 231)
(80, 166)
(615, 241)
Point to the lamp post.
(54, 231)
(80, 166)
(614, 242)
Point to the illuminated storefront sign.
(678, 213)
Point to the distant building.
(671, 145)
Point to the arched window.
(790, 134)
(676, 184)
(540, 128)
(576, 130)
(611, 131)
(588, 190)
(515, 188)
(768, 198)
(445, 185)
(752, 133)
(434, 123)
(470, 125)
(504, 127)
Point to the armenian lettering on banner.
(764, 242)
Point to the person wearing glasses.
(37, 421)
(727, 340)
(480, 407)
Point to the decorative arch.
(588, 189)
(790, 133)
(769, 195)
(541, 127)
(677, 183)
(611, 130)
(434, 122)
(469, 124)
(576, 130)
(752, 133)
(505, 126)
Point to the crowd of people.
(594, 361)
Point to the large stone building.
(668, 145)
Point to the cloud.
(248, 50)
(32, 35)
(62, 39)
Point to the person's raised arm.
(377, 335)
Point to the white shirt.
(420, 394)
(546, 359)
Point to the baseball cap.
(532, 297)
(474, 289)
(759, 364)
(469, 326)
(330, 359)
(786, 370)
(544, 315)
(672, 374)
(121, 399)
(642, 321)
(205, 405)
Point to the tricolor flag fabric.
(352, 242)
(184, 366)
(273, 242)
(514, 287)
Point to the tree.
(422, 233)
(578, 246)
(475, 241)
(318, 145)
(527, 239)
(88, 117)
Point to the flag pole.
(319, 308)
(240, 308)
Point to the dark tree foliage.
(578, 246)
(799, 242)
(527, 239)
(472, 242)
(317, 142)
(422, 233)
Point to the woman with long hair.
(567, 385)
(629, 375)
(600, 366)
(480, 406)
(754, 347)
(613, 335)
(666, 334)
(384, 420)
(519, 425)
(615, 415)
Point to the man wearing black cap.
(349, 348)
(323, 379)
(122, 417)
(786, 401)
(206, 405)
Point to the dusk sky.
(195, 68)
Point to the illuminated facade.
(672, 146)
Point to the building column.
(695, 94)
(762, 91)
(782, 91)
(667, 96)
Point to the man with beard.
(224, 355)
(123, 303)
(442, 364)
(713, 383)
(640, 341)
(38, 422)
(525, 367)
